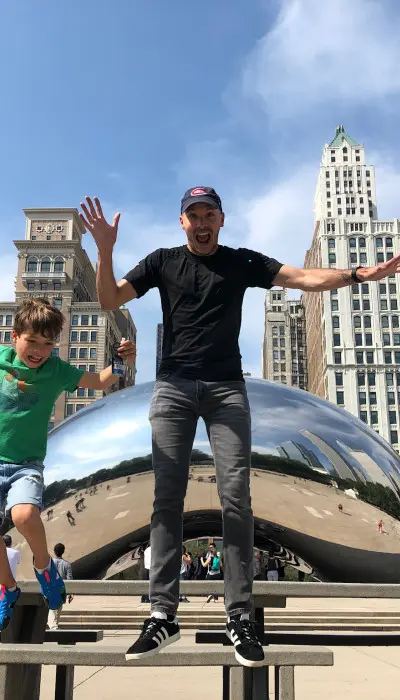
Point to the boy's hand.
(127, 350)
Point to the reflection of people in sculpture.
(380, 527)
(70, 518)
(202, 285)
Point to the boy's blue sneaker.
(52, 587)
(7, 602)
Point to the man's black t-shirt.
(202, 298)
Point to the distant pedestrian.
(213, 565)
(380, 527)
(340, 508)
(64, 569)
(185, 563)
(272, 567)
(257, 565)
(14, 556)
(70, 518)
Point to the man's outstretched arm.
(322, 279)
(111, 294)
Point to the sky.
(136, 101)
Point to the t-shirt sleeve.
(68, 376)
(146, 274)
(260, 271)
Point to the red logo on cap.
(197, 191)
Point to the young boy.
(31, 379)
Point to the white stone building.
(353, 334)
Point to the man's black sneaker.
(248, 649)
(155, 635)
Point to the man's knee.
(25, 513)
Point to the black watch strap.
(354, 276)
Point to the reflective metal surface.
(321, 482)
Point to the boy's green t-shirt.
(27, 397)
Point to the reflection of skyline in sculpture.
(301, 446)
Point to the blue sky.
(136, 101)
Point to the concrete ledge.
(47, 654)
(263, 591)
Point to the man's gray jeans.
(175, 409)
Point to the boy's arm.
(102, 380)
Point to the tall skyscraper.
(284, 357)
(52, 263)
(353, 333)
(160, 337)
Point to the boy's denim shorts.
(20, 483)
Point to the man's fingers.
(98, 207)
(91, 207)
(87, 213)
(116, 220)
(86, 224)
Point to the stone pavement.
(358, 674)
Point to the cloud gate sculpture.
(321, 481)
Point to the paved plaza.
(358, 673)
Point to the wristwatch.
(354, 276)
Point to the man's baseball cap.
(205, 195)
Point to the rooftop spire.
(340, 136)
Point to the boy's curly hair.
(39, 316)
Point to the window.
(72, 353)
(365, 288)
(92, 368)
(93, 354)
(389, 379)
(331, 243)
(275, 355)
(69, 409)
(360, 358)
(372, 397)
(393, 304)
(57, 303)
(386, 338)
(74, 336)
(44, 286)
(83, 353)
(282, 342)
(75, 320)
(370, 357)
(361, 379)
(374, 417)
(336, 339)
(45, 265)
(361, 242)
(31, 286)
(367, 321)
(335, 305)
(364, 416)
(79, 406)
(357, 321)
(332, 258)
(281, 330)
(59, 266)
(84, 336)
(367, 172)
(383, 305)
(55, 352)
(57, 286)
(396, 338)
(352, 242)
(393, 437)
(93, 337)
(327, 174)
(389, 256)
(363, 258)
(339, 378)
(80, 392)
(397, 357)
(8, 320)
(391, 398)
(392, 288)
(371, 378)
(368, 339)
(334, 292)
(7, 336)
(392, 417)
(353, 258)
(356, 304)
(340, 398)
(380, 258)
(95, 320)
(366, 305)
(385, 321)
(339, 211)
(337, 357)
(387, 357)
(362, 398)
(32, 266)
(358, 339)
(91, 393)
(395, 321)
(389, 242)
(84, 320)
(335, 322)
(361, 210)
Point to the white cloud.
(318, 52)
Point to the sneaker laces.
(150, 627)
(248, 632)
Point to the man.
(13, 555)
(202, 285)
(64, 569)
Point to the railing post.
(28, 625)
(284, 683)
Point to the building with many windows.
(353, 334)
(284, 357)
(53, 263)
